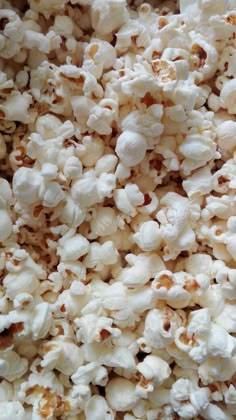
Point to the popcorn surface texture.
(117, 209)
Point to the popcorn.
(98, 55)
(12, 33)
(98, 407)
(25, 281)
(62, 355)
(175, 220)
(198, 149)
(106, 164)
(100, 255)
(100, 331)
(160, 327)
(226, 135)
(12, 366)
(123, 388)
(227, 96)
(108, 17)
(26, 184)
(131, 148)
(153, 370)
(12, 409)
(217, 336)
(148, 237)
(187, 400)
(16, 107)
(143, 268)
(205, 57)
(117, 210)
(104, 223)
(213, 411)
(72, 247)
(128, 198)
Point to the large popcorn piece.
(154, 371)
(148, 237)
(107, 16)
(12, 366)
(188, 400)
(12, 409)
(120, 394)
(117, 210)
(97, 408)
(131, 148)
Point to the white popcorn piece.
(98, 55)
(227, 318)
(89, 189)
(61, 354)
(227, 96)
(12, 366)
(120, 394)
(12, 33)
(176, 288)
(24, 281)
(199, 322)
(160, 327)
(148, 238)
(63, 25)
(52, 194)
(24, 301)
(199, 183)
(175, 222)
(93, 328)
(16, 107)
(216, 337)
(226, 135)
(72, 247)
(128, 198)
(107, 17)
(13, 409)
(104, 222)
(217, 369)
(231, 232)
(26, 184)
(120, 358)
(198, 148)
(106, 164)
(131, 148)
(188, 400)
(97, 408)
(7, 391)
(213, 411)
(144, 267)
(41, 320)
(205, 56)
(154, 369)
(100, 255)
(141, 299)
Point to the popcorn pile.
(117, 209)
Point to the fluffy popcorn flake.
(131, 148)
(72, 248)
(12, 409)
(120, 394)
(188, 400)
